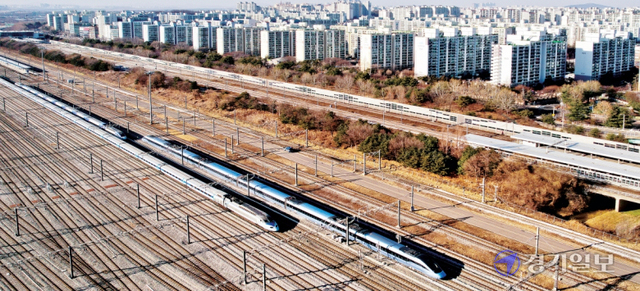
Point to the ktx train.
(107, 127)
(246, 211)
(433, 114)
(401, 253)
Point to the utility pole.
(364, 164)
(483, 186)
(264, 277)
(44, 75)
(138, 194)
(244, 266)
(150, 104)
(412, 208)
(17, 222)
(537, 239)
(188, 231)
(399, 225)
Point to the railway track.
(376, 287)
(83, 217)
(577, 278)
(471, 278)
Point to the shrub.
(526, 113)
(464, 101)
(548, 119)
(594, 132)
(575, 129)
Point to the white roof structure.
(555, 156)
(598, 150)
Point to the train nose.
(441, 275)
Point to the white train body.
(218, 196)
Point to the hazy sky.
(198, 4)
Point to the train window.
(536, 132)
(546, 133)
(635, 150)
(555, 135)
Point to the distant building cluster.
(508, 45)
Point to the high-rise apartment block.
(454, 52)
(389, 51)
(529, 58)
(167, 34)
(236, 39)
(600, 54)
(150, 32)
(277, 44)
(319, 44)
(184, 34)
(125, 29)
(204, 36)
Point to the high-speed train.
(107, 127)
(401, 253)
(400, 108)
(246, 211)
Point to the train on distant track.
(77, 112)
(244, 210)
(15, 65)
(400, 108)
(399, 252)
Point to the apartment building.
(150, 32)
(204, 36)
(336, 44)
(168, 34)
(137, 28)
(276, 44)
(604, 54)
(184, 34)
(125, 29)
(310, 45)
(454, 52)
(529, 58)
(251, 37)
(390, 51)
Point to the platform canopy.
(556, 156)
(582, 147)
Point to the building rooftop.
(629, 154)
(555, 156)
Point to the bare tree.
(344, 83)
(306, 79)
(365, 87)
(358, 132)
(505, 99)
(441, 93)
(263, 72)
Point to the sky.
(199, 4)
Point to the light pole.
(150, 104)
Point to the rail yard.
(81, 213)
